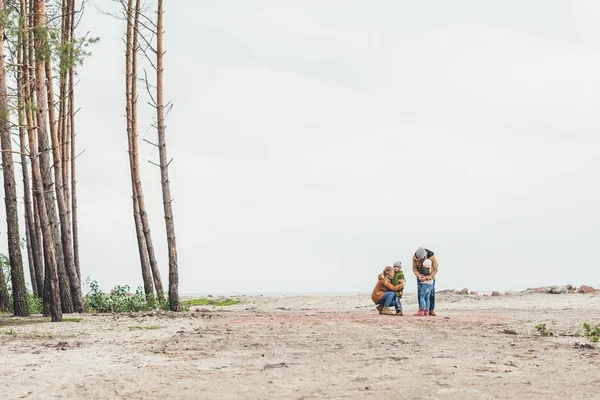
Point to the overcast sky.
(316, 142)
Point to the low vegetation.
(146, 327)
(542, 330)
(121, 299)
(211, 302)
(593, 334)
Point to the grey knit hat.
(421, 253)
(398, 264)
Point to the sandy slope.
(311, 347)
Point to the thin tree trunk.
(4, 295)
(63, 99)
(130, 83)
(33, 254)
(63, 210)
(43, 189)
(17, 275)
(30, 261)
(138, 182)
(164, 167)
(40, 273)
(71, 139)
(33, 249)
(44, 150)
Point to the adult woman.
(383, 294)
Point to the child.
(397, 279)
(425, 292)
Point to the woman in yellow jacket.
(383, 294)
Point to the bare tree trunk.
(71, 139)
(4, 295)
(17, 275)
(39, 244)
(41, 171)
(30, 261)
(164, 167)
(130, 115)
(33, 253)
(63, 210)
(138, 182)
(44, 149)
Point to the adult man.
(417, 265)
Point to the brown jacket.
(383, 285)
(416, 264)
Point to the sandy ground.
(311, 347)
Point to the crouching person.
(384, 295)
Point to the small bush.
(593, 334)
(543, 331)
(118, 300)
(35, 303)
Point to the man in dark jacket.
(417, 263)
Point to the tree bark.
(4, 295)
(28, 93)
(63, 210)
(33, 250)
(41, 171)
(71, 152)
(138, 181)
(41, 50)
(30, 261)
(164, 167)
(131, 132)
(17, 275)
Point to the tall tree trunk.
(63, 210)
(41, 51)
(138, 181)
(71, 151)
(28, 93)
(130, 104)
(17, 275)
(42, 178)
(164, 166)
(33, 250)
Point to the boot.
(399, 313)
(420, 313)
(386, 311)
(426, 313)
(432, 313)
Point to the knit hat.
(427, 263)
(421, 253)
(398, 264)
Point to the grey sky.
(316, 142)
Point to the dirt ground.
(311, 347)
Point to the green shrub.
(35, 303)
(118, 300)
(543, 331)
(593, 334)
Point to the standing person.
(419, 257)
(425, 292)
(383, 293)
(398, 278)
